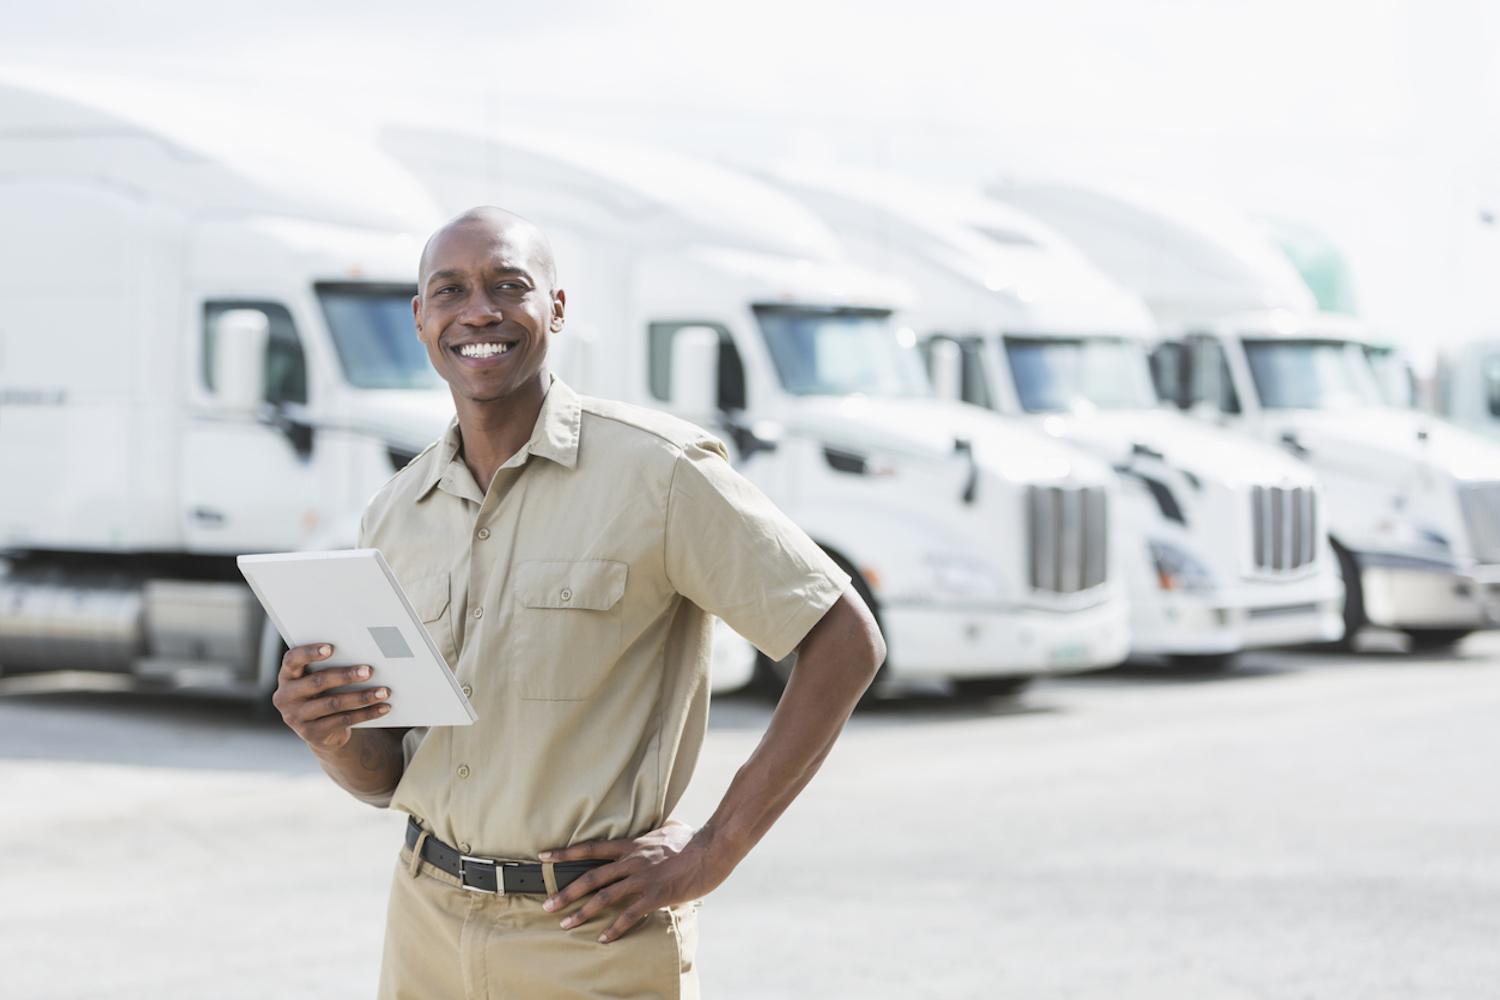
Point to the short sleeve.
(734, 554)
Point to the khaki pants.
(443, 942)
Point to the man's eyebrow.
(454, 273)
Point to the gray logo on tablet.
(392, 646)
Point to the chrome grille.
(1068, 538)
(1283, 527)
(1481, 506)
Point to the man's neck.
(493, 430)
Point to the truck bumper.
(936, 643)
(1407, 593)
(1229, 621)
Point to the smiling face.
(486, 305)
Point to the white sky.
(1377, 121)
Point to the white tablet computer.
(351, 600)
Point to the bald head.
(523, 241)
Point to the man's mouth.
(488, 350)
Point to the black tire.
(1429, 639)
(991, 687)
(771, 675)
(1354, 597)
(1203, 663)
(261, 707)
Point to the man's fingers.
(334, 725)
(634, 914)
(314, 684)
(299, 700)
(336, 704)
(294, 663)
(601, 899)
(585, 884)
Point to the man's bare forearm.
(368, 766)
(835, 664)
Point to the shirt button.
(478, 612)
(484, 533)
(464, 848)
(463, 770)
(468, 690)
(567, 595)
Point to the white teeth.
(483, 350)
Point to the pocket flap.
(582, 584)
(429, 595)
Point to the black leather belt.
(494, 877)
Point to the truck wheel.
(771, 675)
(991, 687)
(1428, 639)
(1203, 663)
(1354, 598)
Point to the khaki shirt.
(573, 600)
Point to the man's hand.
(323, 719)
(658, 869)
(368, 763)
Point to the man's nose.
(480, 310)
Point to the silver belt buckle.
(467, 863)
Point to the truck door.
(249, 480)
(1212, 393)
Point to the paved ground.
(1306, 826)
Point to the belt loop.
(416, 853)
(549, 878)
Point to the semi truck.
(1224, 544)
(199, 357)
(205, 350)
(986, 550)
(1413, 509)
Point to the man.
(567, 555)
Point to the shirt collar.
(555, 436)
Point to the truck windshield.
(835, 352)
(1312, 374)
(375, 336)
(1055, 374)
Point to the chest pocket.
(568, 626)
(430, 596)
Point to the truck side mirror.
(945, 363)
(240, 337)
(695, 372)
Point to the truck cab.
(1413, 501)
(1408, 511)
(202, 357)
(985, 549)
(1223, 540)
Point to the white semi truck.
(202, 353)
(985, 549)
(1413, 501)
(1224, 542)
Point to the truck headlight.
(964, 577)
(1176, 570)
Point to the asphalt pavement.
(1306, 825)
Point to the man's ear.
(559, 305)
(416, 316)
